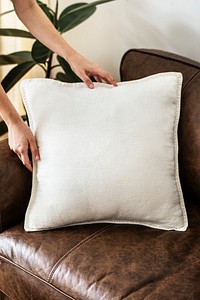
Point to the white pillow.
(108, 154)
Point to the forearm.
(7, 110)
(40, 26)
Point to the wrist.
(69, 55)
(12, 119)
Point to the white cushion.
(108, 154)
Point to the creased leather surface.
(15, 186)
(139, 63)
(4, 297)
(110, 262)
(23, 286)
(104, 262)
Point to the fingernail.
(91, 85)
(37, 157)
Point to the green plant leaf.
(70, 76)
(61, 77)
(40, 53)
(15, 33)
(98, 2)
(16, 74)
(79, 6)
(77, 13)
(46, 10)
(71, 17)
(65, 77)
(15, 58)
(71, 8)
(6, 12)
(24, 117)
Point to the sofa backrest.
(138, 63)
(15, 179)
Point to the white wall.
(172, 25)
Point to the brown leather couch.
(106, 261)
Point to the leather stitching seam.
(190, 80)
(84, 241)
(37, 277)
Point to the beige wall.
(172, 25)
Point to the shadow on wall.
(136, 31)
(185, 40)
(173, 26)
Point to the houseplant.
(39, 55)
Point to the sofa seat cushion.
(102, 261)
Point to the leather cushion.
(93, 262)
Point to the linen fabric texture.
(108, 154)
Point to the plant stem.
(41, 66)
(49, 63)
(6, 12)
(55, 66)
(56, 16)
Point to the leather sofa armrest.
(15, 187)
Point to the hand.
(21, 140)
(85, 69)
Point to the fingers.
(22, 151)
(86, 69)
(91, 70)
(88, 82)
(106, 77)
(34, 149)
(99, 76)
(23, 143)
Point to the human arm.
(20, 136)
(39, 25)
(21, 139)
